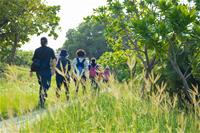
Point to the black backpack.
(64, 62)
(36, 65)
(39, 64)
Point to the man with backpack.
(80, 65)
(62, 73)
(44, 65)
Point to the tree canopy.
(164, 34)
(89, 36)
(20, 19)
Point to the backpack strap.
(83, 61)
(77, 59)
(69, 64)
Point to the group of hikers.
(46, 64)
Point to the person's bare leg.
(58, 89)
(66, 90)
(42, 95)
(83, 82)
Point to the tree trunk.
(14, 49)
(173, 61)
(149, 65)
(186, 87)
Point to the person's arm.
(31, 71)
(73, 64)
(89, 66)
(53, 62)
(86, 64)
(69, 65)
(98, 70)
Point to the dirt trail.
(14, 124)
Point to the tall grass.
(19, 93)
(120, 108)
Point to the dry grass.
(118, 108)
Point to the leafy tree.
(19, 19)
(129, 29)
(160, 32)
(89, 36)
(117, 61)
(23, 58)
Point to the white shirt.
(86, 65)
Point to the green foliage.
(2, 68)
(117, 61)
(24, 58)
(20, 19)
(89, 36)
(163, 34)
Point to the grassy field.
(118, 108)
(19, 93)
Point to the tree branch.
(146, 55)
(3, 22)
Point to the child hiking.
(62, 73)
(93, 68)
(44, 65)
(106, 74)
(80, 65)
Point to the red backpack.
(93, 72)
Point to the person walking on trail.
(44, 61)
(106, 74)
(100, 74)
(62, 75)
(80, 65)
(93, 68)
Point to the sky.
(72, 13)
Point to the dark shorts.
(60, 80)
(44, 79)
(83, 78)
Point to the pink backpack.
(93, 72)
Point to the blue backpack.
(80, 65)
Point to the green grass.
(119, 109)
(19, 93)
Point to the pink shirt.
(106, 74)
